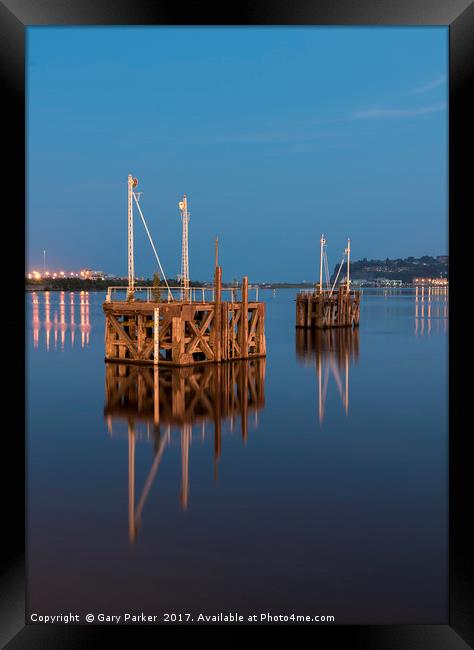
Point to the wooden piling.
(244, 323)
(218, 314)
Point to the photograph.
(237, 293)
(243, 364)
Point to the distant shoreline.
(92, 285)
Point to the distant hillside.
(398, 269)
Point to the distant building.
(385, 282)
(90, 274)
(444, 259)
(431, 281)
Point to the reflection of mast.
(135, 515)
(131, 482)
(333, 349)
(180, 397)
(186, 433)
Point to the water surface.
(314, 481)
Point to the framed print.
(245, 403)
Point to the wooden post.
(309, 309)
(131, 482)
(244, 319)
(217, 314)
(225, 330)
(261, 329)
(177, 339)
(140, 334)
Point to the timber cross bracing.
(185, 333)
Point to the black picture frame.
(15, 16)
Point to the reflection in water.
(59, 323)
(431, 306)
(36, 320)
(332, 350)
(162, 398)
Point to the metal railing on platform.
(326, 292)
(175, 294)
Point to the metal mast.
(322, 242)
(132, 182)
(183, 206)
(348, 252)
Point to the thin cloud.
(430, 85)
(398, 112)
(271, 137)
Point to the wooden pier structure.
(336, 306)
(185, 332)
(320, 309)
(184, 329)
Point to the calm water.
(313, 482)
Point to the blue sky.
(275, 134)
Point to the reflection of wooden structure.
(181, 333)
(166, 396)
(332, 351)
(178, 396)
(324, 308)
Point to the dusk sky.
(275, 135)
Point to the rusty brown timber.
(177, 396)
(189, 332)
(321, 309)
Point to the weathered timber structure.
(185, 332)
(335, 306)
(320, 309)
(179, 331)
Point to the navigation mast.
(322, 242)
(132, 183)
(183, 206)
(348, 252)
